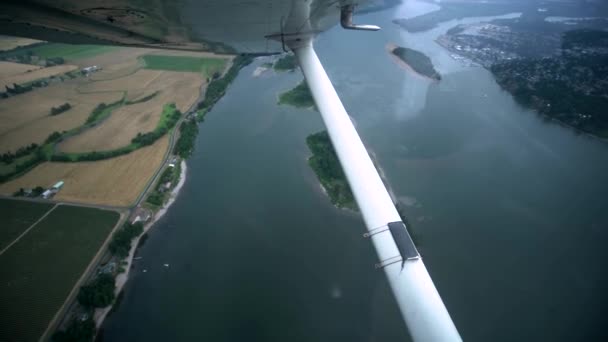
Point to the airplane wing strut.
(425, 314)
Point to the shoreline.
(121, 279)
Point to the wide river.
(510, 211)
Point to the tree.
(37, 191)
(99, 294)
(121, 241)
(77, 331)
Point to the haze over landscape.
(154, 195)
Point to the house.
(108, 268)
(140, 215)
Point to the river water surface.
(509, 209)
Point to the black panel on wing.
(404, 242)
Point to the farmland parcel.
(39, 271)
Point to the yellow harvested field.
(26, 119)
(136, 82)
(8, 69)
(182, 88)
(114, 61)
(125, 122)
(25, 77)
(189, 53)
(116, 182)
(9, 42)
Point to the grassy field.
(204, 65)
(38, 272)
(117, 181)
(17, 216)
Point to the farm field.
(173, 77)
(26, 119)
(8, 69)
(39, 271)
(125, 122)
(9, 43)
(36, 74)
(135, 82)
(204, 65)
(17, 216)
(65, 51)
(116, 181)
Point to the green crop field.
(38, 272)
(17, 216)
(206, 66)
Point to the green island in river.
(299, 97)
(286, 63)
(324, 162)
(417, 61)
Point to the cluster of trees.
(121, 241)
(326, 166)
(156, 198)
(98, 294)
(9, 157)
(169, 118)
(37, 191)
(77, 331)
(53, 137)
(63, 108)
(36, 158)
(143, 99)
(170, 174)
(217, 87)
(287, 62)
(299, 96)
(18, 89)
(145, 139)
(100, 111)
(184, 146)
(92, 156)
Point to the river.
(509, 209)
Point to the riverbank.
(121, 279)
